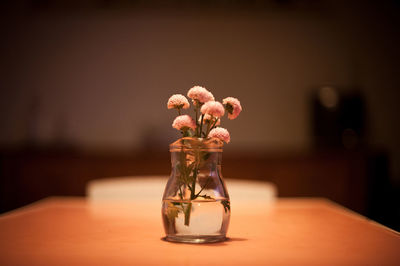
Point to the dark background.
(84, 86)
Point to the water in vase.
(196, 221)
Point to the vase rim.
(192, 143)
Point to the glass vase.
(196, 206)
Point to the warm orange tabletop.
(73, 231)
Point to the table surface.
(293, 231)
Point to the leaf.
(206, 155)
(206, 196)
(172, 211)
(227, 205)
(190, 168)
(184, 174)
(182, 177)
(187, 132)
(190, 133)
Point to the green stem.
(197, 122)
(180, 191)
(182, 162)
(187, 213)
(208, 129)
(179, 111)
(208, 181)
(192, 190)
(201, 125)
(192, 197)
(215, 122)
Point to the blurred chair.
(151, 188)
(127, 188)
(243, 191)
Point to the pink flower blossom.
(213, 108)
(233, 107)
(220, 133)
(209, 119)
(178, 101)
(184, 122)
(200, 94)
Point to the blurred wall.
(100, 78)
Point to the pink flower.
(178, 101)
(209, 119)
(232, 105)
(220, 133)
(213, 108)
(184, 122)
(200, 94)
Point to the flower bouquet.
(196, 206)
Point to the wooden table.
(74, 231)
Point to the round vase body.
(196, 206)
